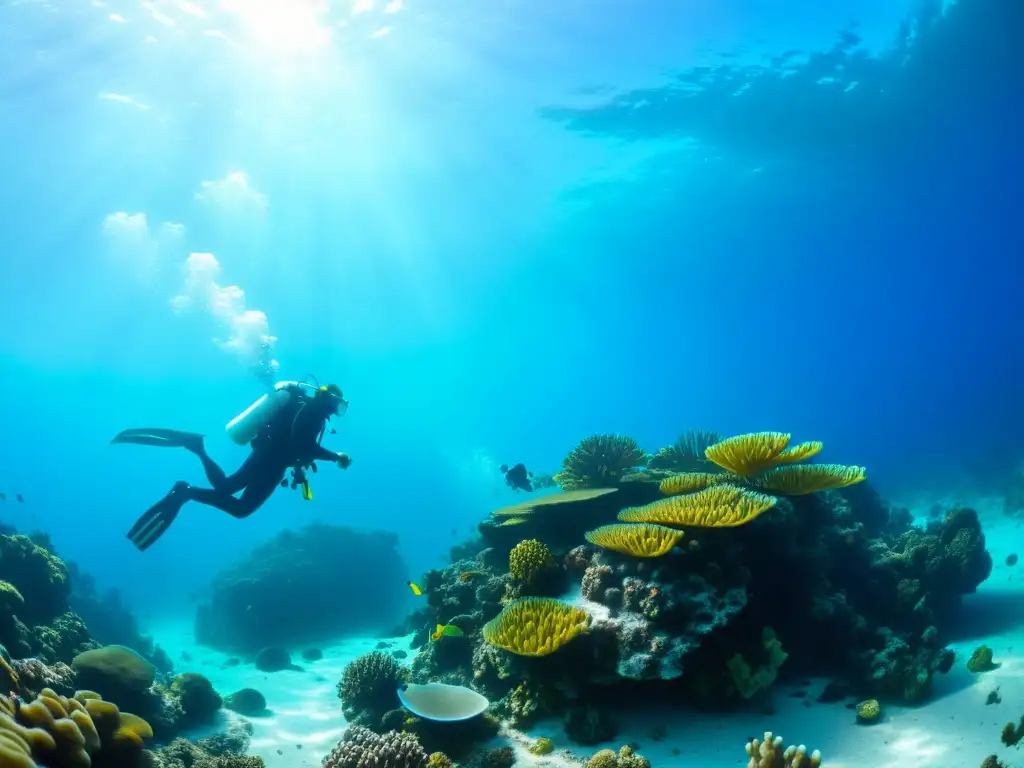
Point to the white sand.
(954, 730)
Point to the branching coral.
(362, 748)
(770, 753)
(534, 626)
(690, 482)
(368, 687)
(528, 559)
(720, 506)
(802, 479)
(599, 461)
(639, 539)
(686, 454)
(757, 452)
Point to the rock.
(312, 654)
(274, 658)
(247, 701)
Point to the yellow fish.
(446, 630)
(415, 589)
(512, 521)
(467, 575)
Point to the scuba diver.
(284, 429)
(517, 478)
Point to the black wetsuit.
(292, 437)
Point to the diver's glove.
(344, 460)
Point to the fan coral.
(802, 479)
(754, 453)
(686, 454)
(770, 754)
(368, 687)
(599, 460)
(535, 626)
(528, 559)
(362, 748)
(639, 539)
(689, 482)
(720, 506)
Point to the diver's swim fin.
(158, 518)
(164, 438)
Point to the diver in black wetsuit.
(289, 440)
(517, 478)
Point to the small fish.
(3, 497)
(19, 497)
(415, 589)
(446, 630)
(467, 575)
(512, 521)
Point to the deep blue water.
(499, 228)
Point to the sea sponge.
(637, 539)
(535, 626)
(771, 754)
(801, 479)
(756, 452)
(981, 660)
(869, 712)
(528, 559)
(199, 701)
(362, 748)
(368, 687)
(720, 506)
(599, 461)
(542, 746)
(689, 482)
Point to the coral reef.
(697, 587)
(599, 461)
(362, 748)
(272, 596)
(199, 701)
(368, 688)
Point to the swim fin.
(163, 438)
(158, 518)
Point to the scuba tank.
(245, 426)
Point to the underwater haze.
(498, 227)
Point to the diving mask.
(339, 405)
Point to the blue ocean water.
(499, 228)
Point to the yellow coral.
(754, 453)
(688, 482)
(869, 712)
(639, 540)
(810, 478)
(535, 626)
(527, 559)
(720, 506)
(439, 760)
(542, 746)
